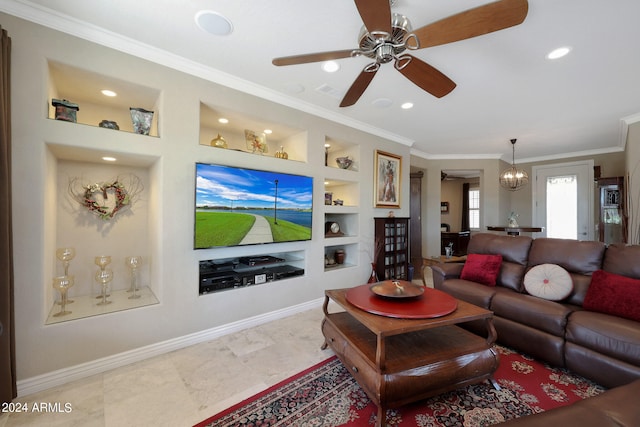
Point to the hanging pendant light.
(513, 179)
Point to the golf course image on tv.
(239, 206)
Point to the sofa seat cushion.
(614, 294)
(606, 334)
(547, 316)
(471, 292)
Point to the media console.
(218, 276)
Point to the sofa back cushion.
(514, 251)
(579, 258)
(623, 260)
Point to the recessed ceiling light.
(223, 120)
(107, 92)
(558, 53)
(268, 131)
(213, 23)
(407, 105)
(109, 159)
(330, 66)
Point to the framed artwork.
(386, 186)
(444, 207)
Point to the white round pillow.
(548, 281)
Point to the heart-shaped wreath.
(89, 196)
(122, 199)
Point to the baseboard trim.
(98, 366)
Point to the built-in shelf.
(225, 274)
(350, 256)
(87, 305)
(83, 87)
(335, 148)
(282, 139)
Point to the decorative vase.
(141, 120)
(374, 277)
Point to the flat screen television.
(239, 206)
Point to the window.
(474, 208)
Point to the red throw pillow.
(613, 294)
(482, 268)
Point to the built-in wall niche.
(335, 149)
(132, 231)
(84, 88)
(341, 193)
(340, 256)
(221, 128)
(347, 222)
(223, 274)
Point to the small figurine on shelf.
(281, 154)
(65, 110)
(448, 250)
(512, 221)
(219, 142)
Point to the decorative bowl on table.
(397, 289)
(344, 162)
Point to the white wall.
(169, 168)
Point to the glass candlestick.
(65, 255)
(62, 285)
(104, 276)
(133, 262)
(102, 261)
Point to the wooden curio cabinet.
(612, 223)
(393, 259)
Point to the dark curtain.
(464, 226)
(7, 336)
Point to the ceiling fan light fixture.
(512, 178)
(330, 66)
(213, 23)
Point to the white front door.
(563, 200)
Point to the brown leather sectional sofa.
(601, 347)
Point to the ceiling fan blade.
(357, 88)
(427, 77)
(473, 22)
(312, 57)
(376, 14)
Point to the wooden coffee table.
(397, 361)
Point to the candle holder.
(102, 261)
(65, 255)
(133, 262)
(104, 277)
(62, 285)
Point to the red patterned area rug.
(326, 395)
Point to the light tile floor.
(186, 386)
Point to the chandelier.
(513, 179)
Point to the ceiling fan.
(385, 36)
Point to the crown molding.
(66, 24)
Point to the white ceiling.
(506, 88)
